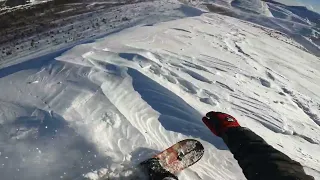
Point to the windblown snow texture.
(98, 109)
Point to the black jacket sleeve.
(260, 161)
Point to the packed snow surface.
(100, 108)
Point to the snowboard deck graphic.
(165, 164)
(177, 157)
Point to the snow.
(256, 6)
(100, 108)
(86, 27)
(286, 20)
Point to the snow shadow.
(131, 56)
(30, 64)
(176, 114)
(43, 146)
(190, 11)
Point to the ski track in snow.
(102, 107)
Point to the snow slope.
(298, 23)
(254, 6)
(173, 73)
(79, 25)
(102, 107)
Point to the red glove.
(219, 122)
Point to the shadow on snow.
(176, 114)
(44, 146)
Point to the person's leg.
(154, 170)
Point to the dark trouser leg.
(154, 170)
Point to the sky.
(310, 4)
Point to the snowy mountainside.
(250, 6)
(46, 27)
(295, 13)
(100, 107)
(24, 36)
(291, 21)
(256, 6)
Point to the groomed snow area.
(102, 107)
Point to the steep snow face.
(102, 107)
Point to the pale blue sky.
(310, 4)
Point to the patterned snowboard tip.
(181, 155)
